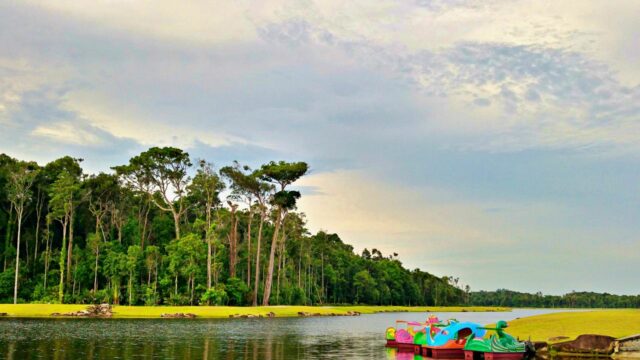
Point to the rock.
(178, 315)
(586, 344)
(271, 314)
(557, 338)
(103, 310)
(540, 346)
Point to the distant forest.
(167, 229)
(571, 300)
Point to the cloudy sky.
(495, 141)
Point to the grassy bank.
(616, 323)
(45, 310)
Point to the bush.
(215, 296)
(236, 291)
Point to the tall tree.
(62, 193)
(205, 187)
(162, 173)
(20, 183)
(281, 174)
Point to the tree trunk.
(249, 247)
(269, 279)
(62, 262)
(70, 245)
(256, 283)
(15, 284)
(176, 221)
(208, 236)
(39, 204)
(233, 242)
(46, 256)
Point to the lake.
(359, 337)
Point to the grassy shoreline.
(615, 322)
(45, 310)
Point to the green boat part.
(500, 342)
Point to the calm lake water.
(271, 339)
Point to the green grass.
(616, 323)
(45, 310)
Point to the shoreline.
(222, 312)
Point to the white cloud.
(194, 21)
(68, 133)
(126, 120)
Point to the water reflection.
(250, 339)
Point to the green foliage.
(215, 296)
(237, 291)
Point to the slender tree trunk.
(62, 262)
(15, 284)
(176, 222)
(279, 261)
(70, 244)
(39, 204)
(46, 255)
(269, 279)
(208, 236)
(249, 257)
(256, 284)
(233, 241)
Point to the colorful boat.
(447, 340)
(500, 346)
(402, 336)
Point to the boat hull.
(477, 355)
(406, 347)
(503, 356)
(442, 353)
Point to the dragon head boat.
(499, 346)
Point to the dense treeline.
(572, 300)
(162, 230)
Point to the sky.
(491, 140)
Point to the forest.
(167, 229)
